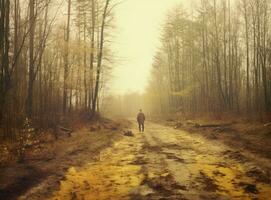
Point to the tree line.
(215, 58)
(54, 59)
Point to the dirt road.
(164, 163)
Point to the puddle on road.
(113, 177)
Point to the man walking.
(141, 120)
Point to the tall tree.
(100, 56)
(66, 58)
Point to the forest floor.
(47, 161)
(250, 136)
(162, 163)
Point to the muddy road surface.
(164, 163)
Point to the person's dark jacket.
(140, 117)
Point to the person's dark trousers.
(141, 127)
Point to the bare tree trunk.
(263, 55)
(85, 66)
(29, 101)
(93, 23)
(220, 89)
(225, 50)
(248, 101)
(66, 60)
(100, 57)
(230, 92)
(4, 54)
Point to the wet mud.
(164, 163)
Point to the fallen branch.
(63, 129)
(213, 125)
(267, 124)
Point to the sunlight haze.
(138, 29)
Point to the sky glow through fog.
(138, 30)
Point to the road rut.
(164, 163)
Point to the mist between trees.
(214, 58)
(54, 60)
